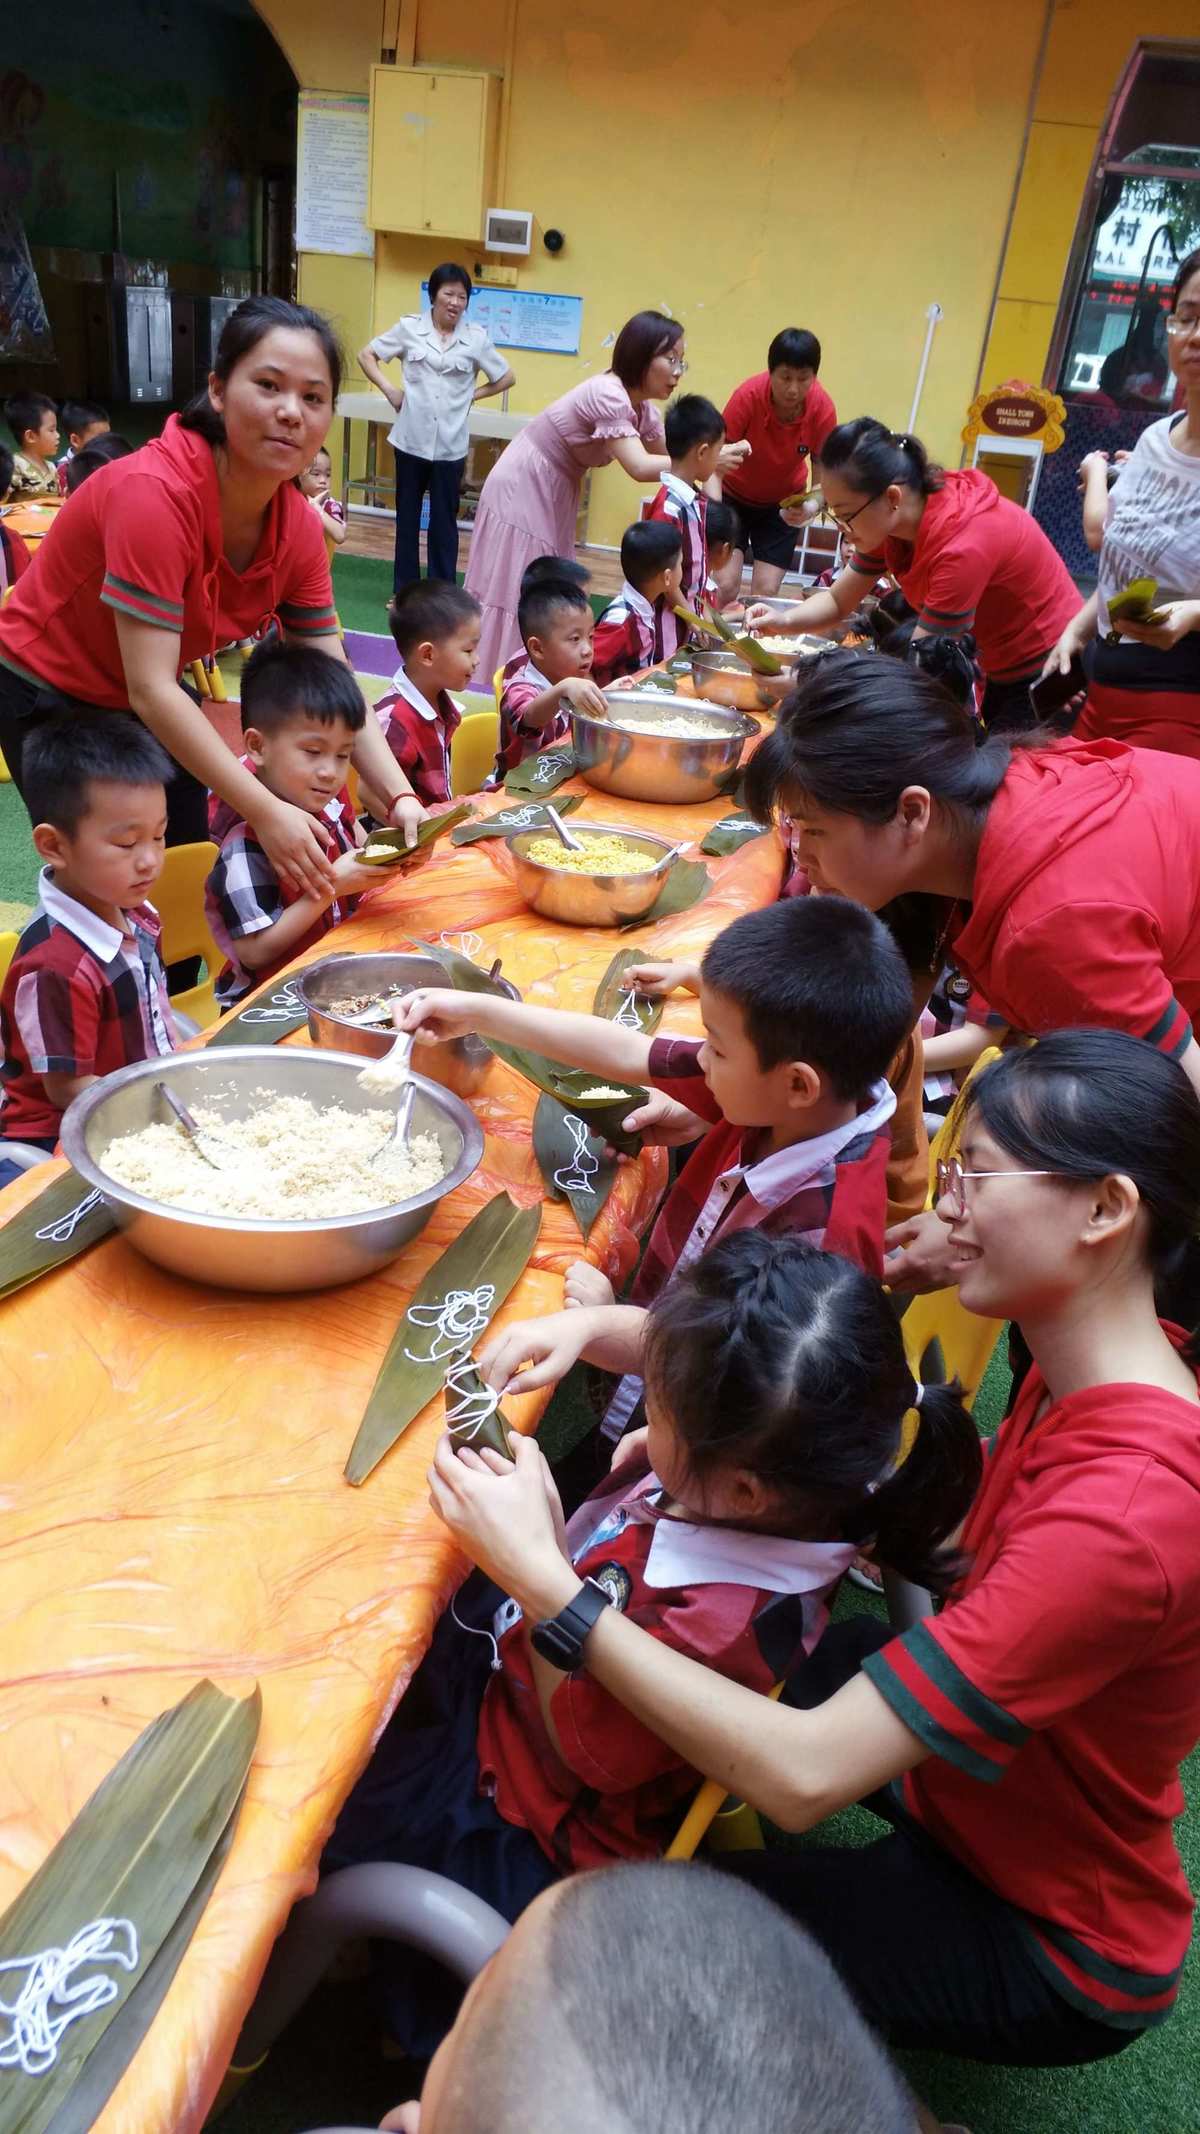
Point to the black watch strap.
(561, 1638)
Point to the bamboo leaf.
(706, 624)
(263, 1021)
(491, 1253)
(616, 1001)
(62, 1222)
(574, 1161)
(553, 1077)
(544, 773)
(731, 833)
(138, 1851)
(428, 832)
(686, 883)
(506, 820)
(748, 649)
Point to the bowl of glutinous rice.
(656, 747)
(301, 1205)
(618, 875)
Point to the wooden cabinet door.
(400, 120)
(454, 153)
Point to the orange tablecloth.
(32, 521)
(172, 1492)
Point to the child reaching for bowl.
(783, 1431)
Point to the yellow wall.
(1088, 47)
(753, 167)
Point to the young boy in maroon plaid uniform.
(301, 710)
(436, 631)
(85, 992)
(779, 1404)
(541, 684)
(630, 632)
(805, 1004)
(695, 433)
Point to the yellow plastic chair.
(5, 773)
(941, 1339)
(729, 1828)
(498, 687)
(179, 899)
(473, 751)
(8, 949)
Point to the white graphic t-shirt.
(1153, 524)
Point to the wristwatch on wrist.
(561, 1639)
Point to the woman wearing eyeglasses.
(530, 501)
(1145, 678)
(1027, 1906)
(1069, 875)
(965, 557)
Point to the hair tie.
(902, 442)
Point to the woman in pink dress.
(530, 501)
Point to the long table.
(172, 1491)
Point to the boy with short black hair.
(86, 992)
(32, 419)
(630, 632)
(804, 1005)
(15, 558)
(84, 421)
(435, 627)
(301, 710)
(722, 534)
(695, 433)
(553, 673)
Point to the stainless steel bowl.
(723, 678)
(461, 1064)
(633, 761)
(261, 1255)
(591, 899)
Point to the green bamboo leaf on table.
(506, 821)
(263, 1021)
(731, 833)
(575, 1160)
(446, 1316)
(139, 1860)
(65, 1220)
(569, 1085)
(687, 882)
(428, 832)
(619, 1002)
(543, 774)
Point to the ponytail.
(927, 1494)
(871, 458)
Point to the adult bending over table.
(529, 503)
(1028, 1906)
(200, 538)
(1144, 685)
(1070, 873)
(785, 415)
(441, 352)
(965, 557)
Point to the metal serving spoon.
(218, 1154)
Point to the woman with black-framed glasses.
(965, 557)
(1027, 1906)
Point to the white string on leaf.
(279, 1008)
(627, 1016)
(578, 1175)
(49, 2002)
(467, 945)
(548, 767)
(61, 1232)
(457, 1321)
(474, 1402)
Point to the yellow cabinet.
(433, 150)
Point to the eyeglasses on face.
(951, 1182)
(845, 519)
(1182, 323)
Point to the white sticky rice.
(297, 1162)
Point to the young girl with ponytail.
(784, 1432)
(965, 557)
(1028, 1906)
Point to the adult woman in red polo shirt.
(1028, 1906)
(200, 538)
(784, 414)
(963, 556)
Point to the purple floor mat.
(370, 654)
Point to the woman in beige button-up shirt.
(441, 352)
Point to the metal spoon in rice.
(216, 1153)
(565, 836)
(380, 1078)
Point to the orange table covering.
(172, 1492)
(32, 521)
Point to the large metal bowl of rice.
(559, 888)
(634, 754)
(237, 1084)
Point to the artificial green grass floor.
(362, 587)
(328, 2068)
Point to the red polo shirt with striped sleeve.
(143, 538)
(1059, 1689)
